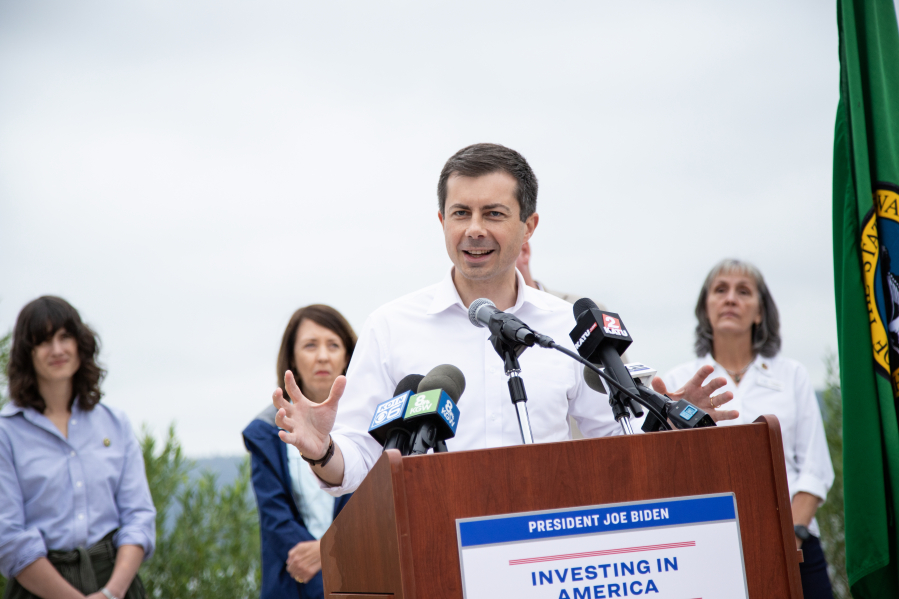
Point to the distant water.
(225, 468)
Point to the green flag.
(866, 275)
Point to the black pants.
(815, 582)
(88, 570)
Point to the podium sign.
(679, 547)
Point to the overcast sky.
(187, 174)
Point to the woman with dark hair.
(76, 516)
(738, 333)
(294, 512)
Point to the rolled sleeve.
(810, 447)
(19, 551)
(355, 468)
(368, 382)
(19, 546)
(137, 514)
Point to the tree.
(5, 343)
(210, 549)
(830, 515)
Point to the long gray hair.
(765, 335)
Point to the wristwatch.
(802, 532)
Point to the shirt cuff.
(812, 485)
(21, 551)
(353, 468)
(133, 536)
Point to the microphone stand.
(509, 353)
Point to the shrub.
(211, 548)
(830, 515)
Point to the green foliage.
(212, 547)
(830, 515)
(5, 343)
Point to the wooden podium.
(397, 535)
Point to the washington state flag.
(866, 275)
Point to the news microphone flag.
(387, 412)
(866, 277)
(436, 402)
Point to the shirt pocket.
(104, 463)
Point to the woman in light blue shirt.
(76, 516)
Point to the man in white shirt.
(487, 196)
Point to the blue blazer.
(280, 524)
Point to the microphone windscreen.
(582, 305)
(408, 383)
(446, 377)
(473, 310)
(593, 381)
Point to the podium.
(397, 536)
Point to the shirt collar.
(759, 363)
(11, 409)
(446, 295)
(36, 418)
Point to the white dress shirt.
(415, 333)
(778, 386)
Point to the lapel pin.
(106, 442)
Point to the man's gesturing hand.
(700, 396)
(307, 425)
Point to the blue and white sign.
(389, 410)
(680, 548)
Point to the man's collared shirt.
(63, 493)
(778, 386)
(415, 333)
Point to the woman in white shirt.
(738, 333)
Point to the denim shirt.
(58, 493)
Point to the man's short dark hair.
(482, 159)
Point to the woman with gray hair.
(738, 333)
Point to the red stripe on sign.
(553, 558)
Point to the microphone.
(482, 312)
(387, 425)
(640, 373)
(600, 337)
(432, 414)
(682, 413)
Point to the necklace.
(737, 375)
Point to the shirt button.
(493, 416)
(78, 484)
(73, 453)
(74, 421)
(81, 516)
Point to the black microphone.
(387, 425)
(433, 415)
(600, 337)
(482, 312)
